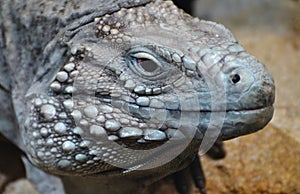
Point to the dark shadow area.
(11, 165)
(186, 5)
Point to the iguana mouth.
(242, 110)
(238, 123)
(116, 102)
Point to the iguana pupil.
(147, 64)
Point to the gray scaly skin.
(89, 84)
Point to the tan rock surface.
(265, 162)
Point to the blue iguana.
(109, 96)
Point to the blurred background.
(265, 162)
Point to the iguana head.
(140, 83)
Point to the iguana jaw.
(238, 123)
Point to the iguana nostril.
(235, 78)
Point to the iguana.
(108, 96)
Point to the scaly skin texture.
(124, 93)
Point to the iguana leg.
(182, 184)
(198, 175)
(182, 179)
(216, 152)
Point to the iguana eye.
(145, 64)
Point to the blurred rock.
(254, 13)
(21, 186)
(266, 162)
